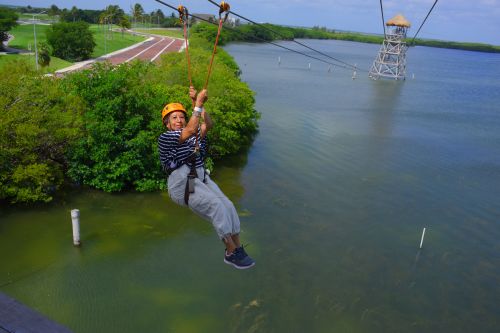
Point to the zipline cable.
(383, 20)
(435, 2)
(264, 41)
(283, 47)
(277, 33)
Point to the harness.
(191, 162)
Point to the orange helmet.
(172, 107)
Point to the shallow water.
(334, 193)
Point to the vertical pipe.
(422, 239)
(36, 48)
(75, 220)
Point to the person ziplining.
(183, 149)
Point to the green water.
(333, 196)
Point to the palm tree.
(137, 12)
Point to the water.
(342, 178)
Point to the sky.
(454, 20)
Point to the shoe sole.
(238, 267)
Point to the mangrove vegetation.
(99, 127)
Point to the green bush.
(122, 119)
(43, 54)
(99, 127)
(121, 126)
(38, 122)
(72, 41)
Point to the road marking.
(138, 54)
(156, 56)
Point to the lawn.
(12, 59)
(115, 41)
(177, 33)
(28, 16)
(24, 38)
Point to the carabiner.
(224, 7)
(183, 13)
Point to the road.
(149, 50)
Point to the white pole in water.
(422, 239)
(279, 61)
(309, 66)
(75, 220)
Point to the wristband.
(197, 111)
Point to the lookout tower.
(391, 59)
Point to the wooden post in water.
(422, 239)
(75, 220)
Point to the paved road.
(150, 50)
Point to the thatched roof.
(398, 21)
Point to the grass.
(27, 16)
(176, 33)
(12, 59)
(24, 38)
(114, 42)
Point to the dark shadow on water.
(385, 99)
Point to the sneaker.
(239, 259)
(242, 250)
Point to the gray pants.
(207, 201)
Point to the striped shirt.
(174, 154)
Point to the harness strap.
(191, 162)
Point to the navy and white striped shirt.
(174, 154)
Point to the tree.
(8, 20)
(53, 11)
(71, 41)
(115, 13)
(38, 122)
(43, 54)
(159, 14)
(137, 12)
(124, 24)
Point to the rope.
(184, 17)
(383, 20)
(281, 35)
(223, 7)
(429, 13)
